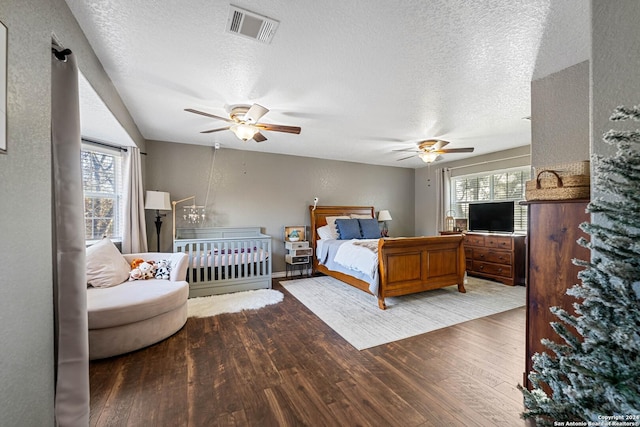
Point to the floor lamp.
(160, 201)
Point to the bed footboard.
(416, 264)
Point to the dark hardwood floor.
(282, 366)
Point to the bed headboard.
(319, 216)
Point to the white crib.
(225, 259)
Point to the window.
(103, 193)
(491, 187)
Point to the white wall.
(26, 257)
(271, 190)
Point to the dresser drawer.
(490, 268)
(296, 245)
(301, 252)
(296, 259)
(500, 242)
(473, 240)
(489, 255)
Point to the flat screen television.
(493, 217)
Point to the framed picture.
(461, 224)
(294, 233)
(3, 87)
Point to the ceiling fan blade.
(439, 144)
(202, 113)
(255, 113)
(405, 158)
(258, 137)
(456, 150)
(411, 150)
(279, 128)
(216, 130)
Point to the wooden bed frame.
(407, 265)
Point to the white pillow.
(331, 220)
(327, 232)
(105, 265)
(359, 216)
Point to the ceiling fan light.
(244, 131)
(428, 157)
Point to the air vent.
(251, 25)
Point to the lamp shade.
(384, 216)
(244, 131)
(159, 200)
(429, 157)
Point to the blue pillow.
(369, 228)
(348, 229)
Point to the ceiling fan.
(244, 124)
(430, 150)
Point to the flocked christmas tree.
(596, 372)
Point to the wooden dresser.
(553, 231)
(494, 256)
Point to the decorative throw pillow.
(331, 221)
(348, 229)
(369, 228)
(327, 232)
(105, 265)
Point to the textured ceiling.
(360, 78)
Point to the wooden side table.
(298, 257)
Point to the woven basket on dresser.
(556, 187)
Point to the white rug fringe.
(232, 303)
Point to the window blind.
(488, 187)
(102, 178)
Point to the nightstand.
(298, 257)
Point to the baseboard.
(279, 274)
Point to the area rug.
(232, 303)
(355, 315)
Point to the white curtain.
(69, 276)
(134, 238)
(443, 196)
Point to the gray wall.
(560, 117)
(426, 187)
(614, 67)
(26, 296)
(614, 71)
(272, 190)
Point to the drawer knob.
(482, 267)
